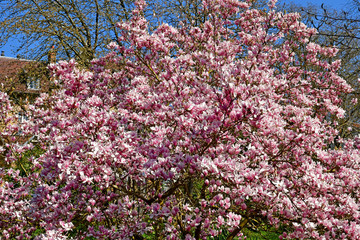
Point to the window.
(22, 117)
(33, 83)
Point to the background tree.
(78, 29)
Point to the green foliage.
(257, 235)
(23, 164)
(270, 234)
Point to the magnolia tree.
(190, 133)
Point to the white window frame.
(33, 83)
(22, 117)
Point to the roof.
(14, 74)
(11, 66)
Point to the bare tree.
(77, 28)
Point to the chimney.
(2, 53)
(52, 55)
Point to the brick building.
(23, 80)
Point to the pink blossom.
(200, 126)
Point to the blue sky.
(9, 47)
(337, 4)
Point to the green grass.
(260, 235)
(251, 235)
